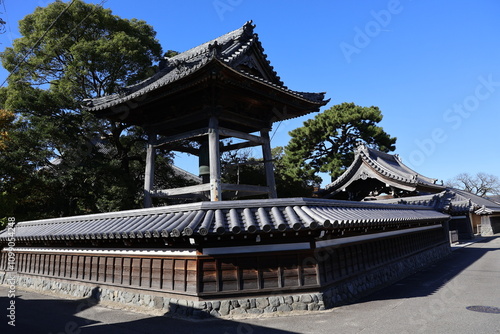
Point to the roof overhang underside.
(241, 102)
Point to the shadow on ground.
(62, 316)
(432, 278)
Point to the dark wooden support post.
(268, 163)
(214, 158)
(149, 175)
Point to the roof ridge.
(384, 170)
(417, 177)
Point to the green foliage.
(60, 160)
(326, 143)
(88, 52)
(240, 167)
(287, 186)
(6, 119)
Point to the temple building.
(373, 173)
(222, 89)
(382, 177)
(216, 257)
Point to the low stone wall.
(336, 294)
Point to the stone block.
(244, 303)
(312, 307)
(262, 303)
(166, 303)
(140, 299)
(158, 302)
(127, 297)
(224, 307)
(253, 304)
(306, 299)
(214, 313)
(238, 310)
(172, 307)
(351, 288)
(274, 301)
(147, 299)
(270, 309)
(183, 303)
(299, 306)
(255, 311)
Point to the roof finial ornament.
(360, 146)
(249, 26)
(215, 50)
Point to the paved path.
(431, 301)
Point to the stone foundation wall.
(152, 302)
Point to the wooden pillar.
(149, 175)
(268, 163)
(214, 158)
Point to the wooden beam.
(238, 146)
(241, 119)
(206, 187)
(174, 123)
(214, 158)
(181, 136)
(241, 135)
(180, 148)
(181, 191)
(149, 175)
(268, 163)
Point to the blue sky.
(432, 67)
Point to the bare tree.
(481, 184)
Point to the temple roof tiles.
(453, 201)
(232, 49)
(371, 163)
(224, 218)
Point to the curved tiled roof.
(454, 201)
(384, 165)
(222, 218)
(228, 49)
(477, 203)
